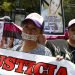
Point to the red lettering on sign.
(29, 67)
(37, 69)
(20, 63)
(2, 59)
(48, 69)
(9, 64)
(51, 69)
(62, 71)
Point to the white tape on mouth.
(29, 37)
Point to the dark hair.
(58, 6)
(22, 23)
(71, 26)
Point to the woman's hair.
(58, 5)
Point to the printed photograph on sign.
(52, 12)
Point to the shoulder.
(57, 45)
(46, 50)
(57, 42)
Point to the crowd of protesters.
(8, 34)
(33, 41)
(62, 45)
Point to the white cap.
(71, 23)
(7, 17)
(36, 18)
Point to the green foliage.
(34, 5)
(69, 10)
(6, 6)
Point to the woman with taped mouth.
(32, 29)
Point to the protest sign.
(20, 63)
(52, 11)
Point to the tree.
(69, 10)
(6, 7)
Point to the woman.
(32, 30)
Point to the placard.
(52, 11)
(20, 63)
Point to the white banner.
(20, 63)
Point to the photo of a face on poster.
(52, 12)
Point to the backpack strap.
(58, 46)
(50, 47)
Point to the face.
(54, 4)
(71, 33)
(30, 31)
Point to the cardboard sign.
(20, 63)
